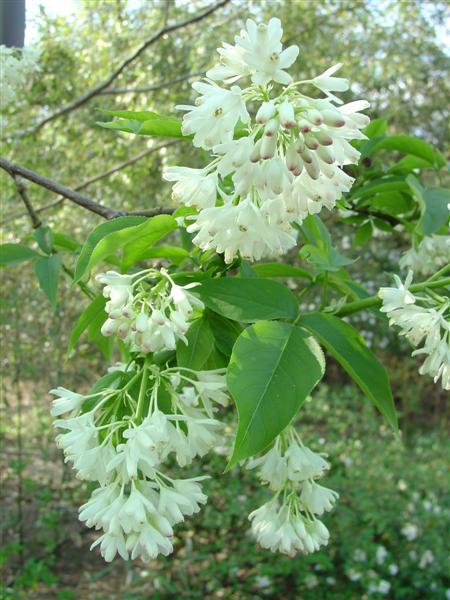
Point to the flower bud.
(307, 156)
(333, 118)
(268, 147)
(158, 317)
(271, 127)
(265, 112)
(312, 168)
(255, 154)
(293, 161)
(287, 115)
(314, 116)
(326, 155)
(311, 141)
(323, 138)
(141, 323)
(304, 125)
(109, 327)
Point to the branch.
(107, 82)
(35, 221)
(94, 179)
(154, 87)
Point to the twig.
(35, 221)
(91, 180)
(153, 88)
(132, 57)
(74, 196)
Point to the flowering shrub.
(210, 325)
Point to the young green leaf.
(144, 123)
(346, 345)
(97, 235)
(135, 242)
(273, 368)
(273, 269)
(434, 206)
(200, 345)
(13, 254)
(90, 313)
(47, 269)
(247, 300)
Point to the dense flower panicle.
(136, 505)
(431, 254)
(287, 162)
(423, 321)
(149, 321)
(288, 523)
(16, 68)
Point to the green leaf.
(433, 204)
(391, 203)
(144, 123)
(273, 269)
(44, 237)
(408, 145)
(247, 300)
(382, 184)
(90, 313)
(273, 368)
(320, 251)
(225, 332)
(346, 345)
(13, 254)
(376, 128)
(97, 235)
(47, 269)
(65, 242)
(173, 253)
(200, 345)
(363, 234)
(408, 163)
(137, 240)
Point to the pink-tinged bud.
(304, 125)
(141, 323)
(313, 169)
(307, 156)
(265, 112)
(311, 141)
(314, 116)
(333, 118)
(300, 144)
(293, 161)
(268, 147)
(123, 330)
(109, 327)
(158, 317)
(326, 155)
(115, 314)
(128, 312)
(271, 127)
(255, 155)
(323, 138)
(287, 115)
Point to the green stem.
(142, 394)
(440, 273)
(358, 305)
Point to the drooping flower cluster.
(431, 254)
(121, 435)
(288, 523)
(148, 319)
(16, 67)
(425, 322)
(286, 161)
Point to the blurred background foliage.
(396, 55)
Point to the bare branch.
(152, 88)
(74, 196)
(35, 221)
(107, 82)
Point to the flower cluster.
(121, 435)
(288, 523)
(147, 319)
(278, 157)
(16, 67)
(431, 254)
(425, 322)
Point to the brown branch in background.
(36, 222)
(74, 196)
(155, 87)
(107, 82)
(91, 180)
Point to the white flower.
(399, 297)
(410, 531)
(213, 120)
(426, 559)
(152, 539)
(304, 464)
(17, 67)
(272, 468)
(393, 569)
(67, 401)
(194, 187)
(317, 498)
(327, 84)
(381, 554)
(184, 498)
(432, 253)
